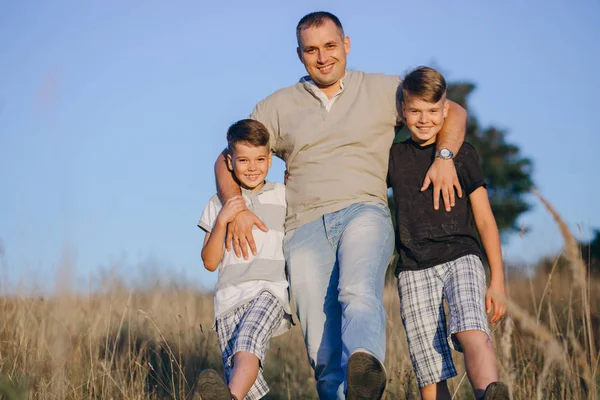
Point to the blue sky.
(112, 114)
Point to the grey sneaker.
(365, 377)
(496, 391)
(210, 386)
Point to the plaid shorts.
(462, 284)
(250, 328)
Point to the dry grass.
(138, 344)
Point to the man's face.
(323, 52)
(250, 164)
(424, 119)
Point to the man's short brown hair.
(424, 83)
(317, 19)
(247, 131)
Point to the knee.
(353, 305)
(367, 288)
(359, 297)
(473, 339)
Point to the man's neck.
(331, 90)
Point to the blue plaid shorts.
(461, 283)
(249, 328)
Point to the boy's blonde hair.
(424, 83)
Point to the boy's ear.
(229, 163)
(446, 107)
(403, 109)
(270, 159)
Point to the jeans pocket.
(286, 239)
(289, 235)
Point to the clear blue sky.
(112, 113)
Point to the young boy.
(251, 297)
(439, 252)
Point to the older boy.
(439, 252)
(251, 298)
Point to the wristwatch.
(444, 154)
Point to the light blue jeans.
(336, 267)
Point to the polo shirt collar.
(267, 187)
(310, 84)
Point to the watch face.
(445, 154)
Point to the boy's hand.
(497, 302)
(442, 174)
(239, 233)
(232, 207)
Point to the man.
(334, 130)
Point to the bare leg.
(480, 360)
(436, 391)
(244, 373)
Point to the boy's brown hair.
(247, 131)
(424, 83)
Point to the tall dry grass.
(121, 343)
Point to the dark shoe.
(210, 386)
(496, 391)
(365, 377)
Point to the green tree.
(507, 171)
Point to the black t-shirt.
(426, 237)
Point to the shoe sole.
(498, 391)
(211, 387)
(365, 376)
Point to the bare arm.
(227, 187)
(452, 134)
(212, 251)
(488, 230)
(239, 231)
(442, 172)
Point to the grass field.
(138, 344)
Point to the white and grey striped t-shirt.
(242, 280)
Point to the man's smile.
(326, 68)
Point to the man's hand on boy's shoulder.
(495, 300)
(239, 233)
(231, 209)
(442, 174)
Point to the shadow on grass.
(169, 369)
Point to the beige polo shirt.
(338, 156)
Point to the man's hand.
(239, 232)
(495, 299)
(231, 209)
(442, 174)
